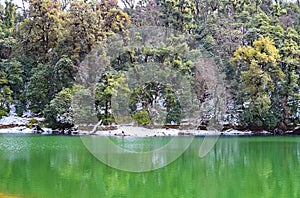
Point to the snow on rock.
(45, 131)
(266, 133)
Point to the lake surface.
(61, 166)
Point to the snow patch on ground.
(232, 132)
(24, 130)
(16, 130)
(7, 120)
(14, 120)
(20, 128)
(144, 132)
(19, 123)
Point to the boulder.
(37, 129)
(297, 130)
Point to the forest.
(245, 51)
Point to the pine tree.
(258, 71)
(108, 85)
(58, 114)
(14, 74)
(39, 92)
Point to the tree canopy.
(248, 50)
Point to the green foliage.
(141, 117)
(87, 23)
(14, 75)
(6, 80)
(39, 33)
(177, 14)
(69, 107)
(147, 98)
(6, 45)
(46, 81)
(31, 123)
(59, 113)
(256, 43)
(83, 106)
(7, 17)
(64, 73)
(258, 68)
(39, 92)
(108, 85)
(268, 77)
(174, 113)
(2, 113)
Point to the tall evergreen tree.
(39, 33)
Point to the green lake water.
(60, 166)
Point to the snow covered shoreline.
(18, 125)
(144, 132)
(21, 125)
